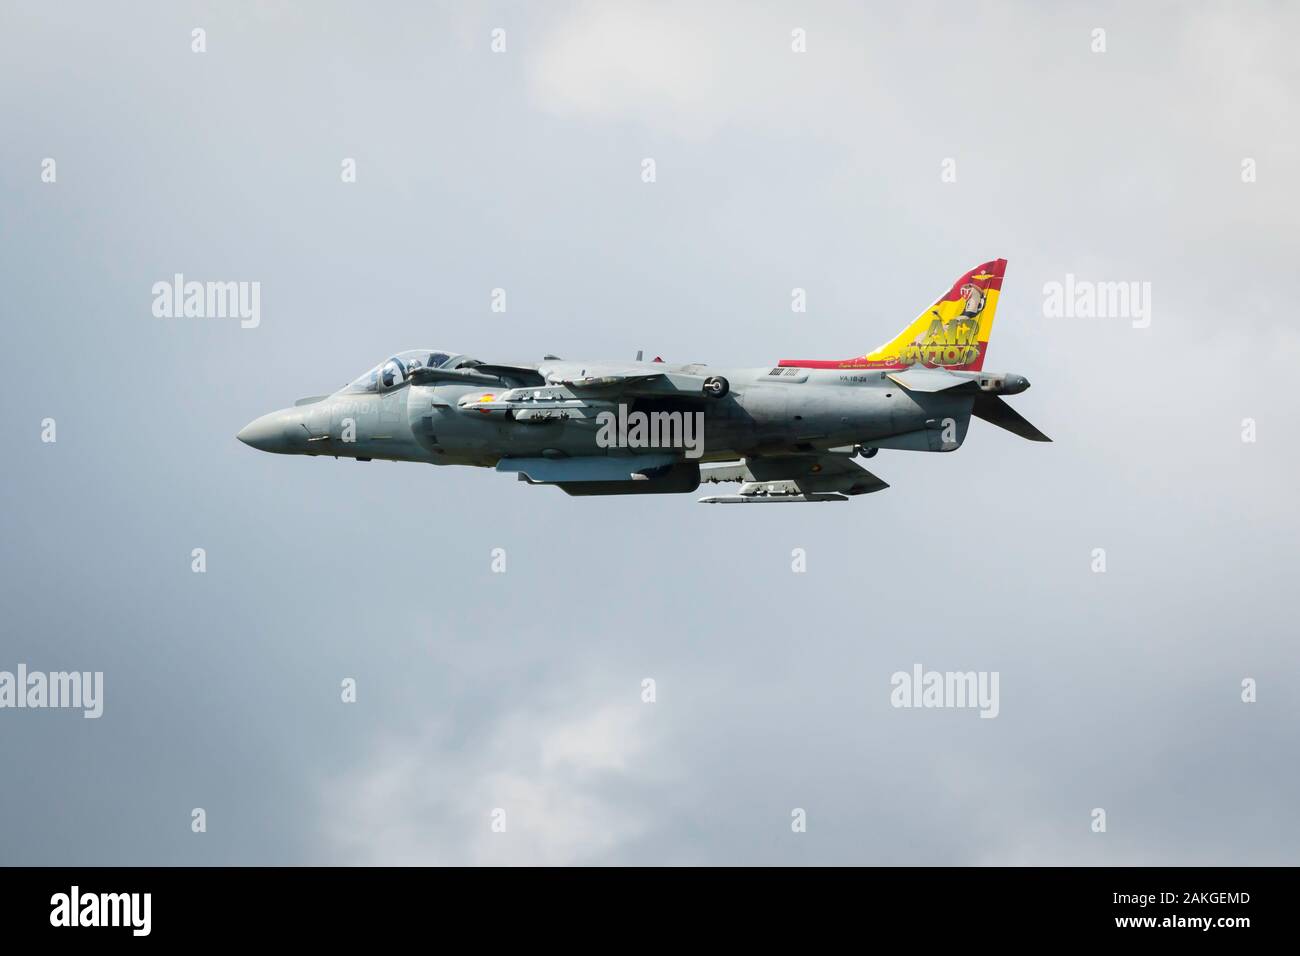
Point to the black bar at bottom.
(212, 905)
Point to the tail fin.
(953, 333)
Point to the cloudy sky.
(821, 170)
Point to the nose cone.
(268, 433)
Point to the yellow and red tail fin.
(953, 333)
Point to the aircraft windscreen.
(393, 372)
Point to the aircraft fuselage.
(764, 411)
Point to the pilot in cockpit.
(395, 371)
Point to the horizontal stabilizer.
(995, 411)
(930, 380)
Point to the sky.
(902, 145)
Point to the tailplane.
(994, 410)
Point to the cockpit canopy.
(393, 373)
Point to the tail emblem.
(953, 333)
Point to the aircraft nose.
(266, 433)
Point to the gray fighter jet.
(785, 433)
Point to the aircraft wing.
(508, 375)
(626, 384)
(642, 474)
(641, 384)
(824, 477)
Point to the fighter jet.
(786, 433)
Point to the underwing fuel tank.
(537, 405)
(772, 492)
(767, 499)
